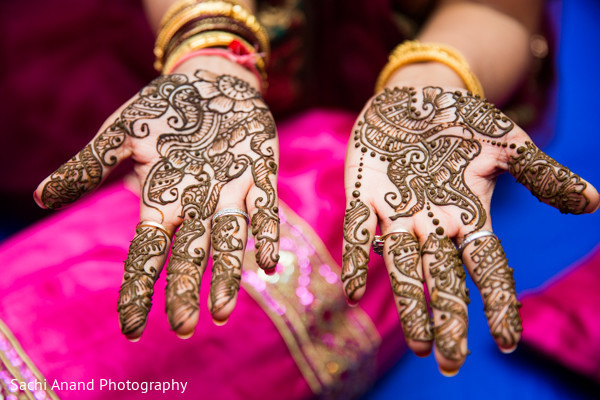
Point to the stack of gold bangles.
(412, 51)
(221, 27)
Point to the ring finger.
(228, 239)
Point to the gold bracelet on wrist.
(187, 11)
(207, 25)
(411, 52)
(210, 39)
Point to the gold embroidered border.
(17, 364)
(333, 345)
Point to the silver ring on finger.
(230, 211)
(471, 237)
(378, 241)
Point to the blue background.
(553, 242)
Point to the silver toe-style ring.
(378, 241)
(473, 236)
(231, 211)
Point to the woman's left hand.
(422, 163)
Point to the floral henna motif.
(449, 296)
(495, 280)
(547, 180)
(407, 284)
(144, 260)
(227, 266)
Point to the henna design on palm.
(207, 131)
(430, 146)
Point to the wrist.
(218, 65)
(425, 74)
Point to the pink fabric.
(311, 182)
(563, 320)
(61, 278)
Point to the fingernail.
(448, 373)
(184, 335)
(220, 323)
(133, 340)
(270, 271)
(352, 303)
(508, 350)
(38, 201)
(423, 354)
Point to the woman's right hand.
(201, 143)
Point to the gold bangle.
(184, 13)
(205, 40)
(411, 52)
(182, 4)
(207, 25)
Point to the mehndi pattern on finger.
(355, 258)
(227, 265)
(407, 284)
(495, 280)
(449, 296)
(184, 272)
(547, 180)
(143, 263)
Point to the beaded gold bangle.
(411, 52)
(187, 11)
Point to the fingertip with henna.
(449, 373)
(420, 348)
(184, 336)
(508, 350)
(133, 339)
(38, 201)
